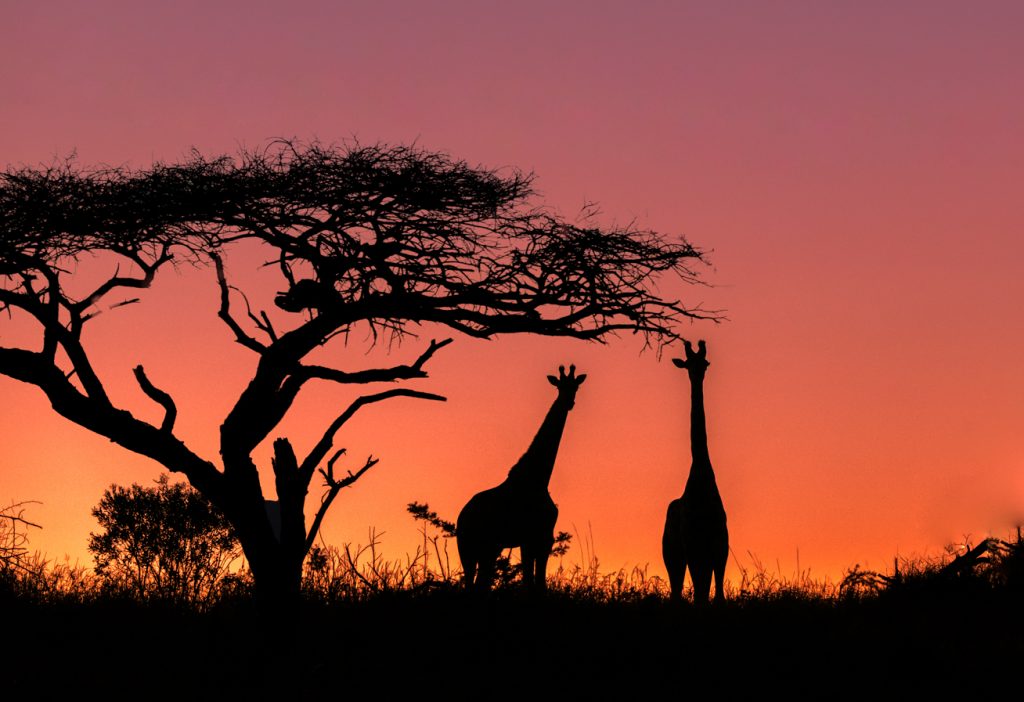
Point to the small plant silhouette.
(14, 560)
(436, 542)
(990, 565)
(423, 513)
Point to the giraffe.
(520, 511)
(695, 530)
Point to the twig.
(20, 507)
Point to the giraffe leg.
(676, 576)
(485, 574)
(541, 575)
(542, 572)
(468, 572)
(675, 564)
(673, 551)
(719, 577)
(468, 551)
(528, 565)
(701, 584)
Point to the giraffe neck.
(535, 466)
(701, 467)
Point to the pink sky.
(855, 169)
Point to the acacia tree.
(389, 237)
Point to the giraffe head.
(696, 362)
(567, 384)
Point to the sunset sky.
(855, 171)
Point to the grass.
(369, 624)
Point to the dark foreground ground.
(449, 645)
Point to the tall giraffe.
(696, 535)
(520, 511)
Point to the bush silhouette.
(164, 542)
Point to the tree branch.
(325, 443)
(160, 397)
(54, 332)
(8, 512)
(262, 322)
(225, 308)
(279, 378)
(116, 281)
(375, 375)
(334, 487)
(106, 420)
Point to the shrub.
(164, 542)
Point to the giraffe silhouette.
(696, 535)
(520, 511)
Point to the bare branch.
(267, 327)
(119, 426)
(334, 487)
(354, 568)
(351, 477)
(325, 443)
(55, 333)
(14, 512)
(262, 322)
(225, 308)
(160, 397)
(13, 540)
(116, 281)
(375, 375)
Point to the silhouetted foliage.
(383, 238)
(563, 541)
(165, 541)
(1008, 563)
(992, 565)
(422, 512)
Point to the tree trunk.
(278, 582)
(270, 541)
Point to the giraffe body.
(504, 517)
(696, 535)
(518, 513)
